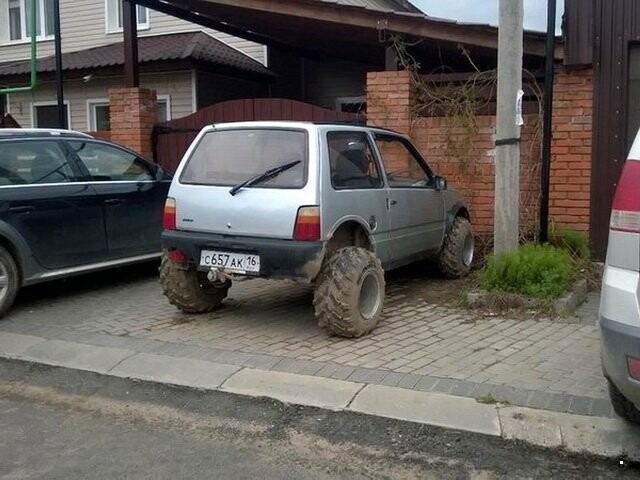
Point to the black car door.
(42, 198)
(132, 192)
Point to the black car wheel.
(9, 280)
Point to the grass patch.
(573, 241)
(539, 271)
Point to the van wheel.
(622, 406)
(189, 290)
(350, 292)
(457, 252)
(9, 281)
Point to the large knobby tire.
(349, 292)
(9, 281)
(186, 290)
(622, 406)
(457, 252)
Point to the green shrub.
(575, 242)
(534, 270)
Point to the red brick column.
(570, 192)
(389, 99)
(133, 114)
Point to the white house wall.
(83, 26)
(177, 85)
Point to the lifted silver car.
(326, 203)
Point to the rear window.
(229, 157)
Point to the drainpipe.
(32, 29)
(546, 122)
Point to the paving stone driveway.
(270, 325)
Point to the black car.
(71, 204)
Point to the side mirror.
(441, 183)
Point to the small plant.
(533, 270)
(575, 242)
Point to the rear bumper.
(619, 341)
(278, 258)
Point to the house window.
(114, 16)
(99, 119)
(45, 115)
(19, 13)
(351, 104)
(99, 116)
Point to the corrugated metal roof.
(197, 46)
(382, 5)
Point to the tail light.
(633, 365)
(307, 224)
(169, 217)
(625, 214)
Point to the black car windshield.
(230, 157)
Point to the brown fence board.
(172, 138)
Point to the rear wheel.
(189, 290)
(9, 281)
(350, 292)
(622, 406)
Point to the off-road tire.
(8, 288)
(451, 259)
(185, 290)
(622, 406)
(338, 288)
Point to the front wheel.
(349, 295)
(9, 281)
(458, 249)
(189, 290)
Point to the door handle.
(390, 202)
(22, 209)
(113, 201)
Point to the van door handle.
(113, 201)
(390, 202)
(22, 209)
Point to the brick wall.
(389, 97)
(571, 149)
(133, 114)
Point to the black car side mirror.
(440, 183)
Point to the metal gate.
(172, 139)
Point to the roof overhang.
(324, 28)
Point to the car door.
(416, 208)
(132, 192)
(356, 187)
(42, 198)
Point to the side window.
(33, 162)
(352, 162)
(110, 164)
(402, 167)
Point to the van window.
(229, 157)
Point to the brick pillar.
(133, 114)
(570, 192)
(389, 99)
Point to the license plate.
(230, 262)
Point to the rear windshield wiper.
(263, 177)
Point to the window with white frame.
(45, 114)
(114, 16)
(99, 116)
(18, 13)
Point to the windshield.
(229, 157)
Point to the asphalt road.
(58, 423)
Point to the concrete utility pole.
(507, 186)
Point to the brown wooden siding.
(615, 26)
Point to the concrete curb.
(610, 437)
